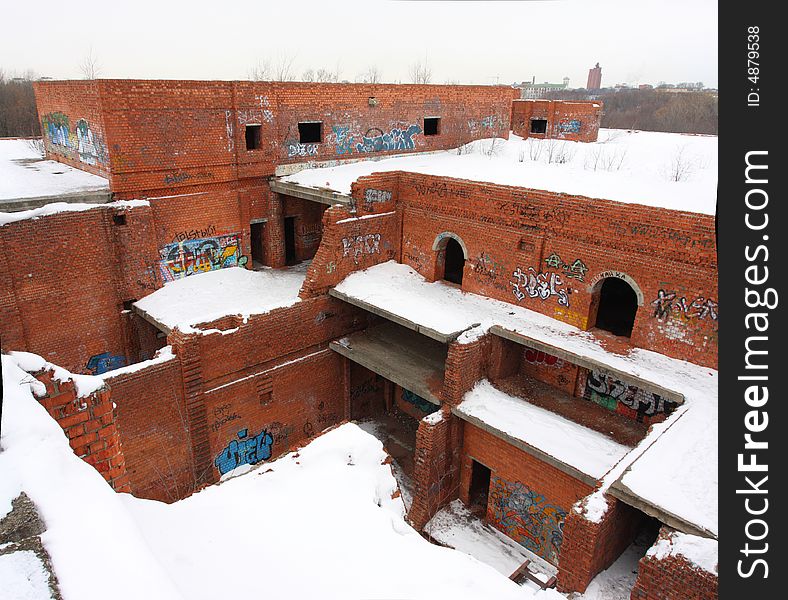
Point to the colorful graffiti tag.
(106, 361)
(568, 126)
(396, 137)
(576, 270)
(88, 146)
(628, 400)
(244, 451)
(190, 256)
(423, 405)
(356, 246)
(667, 304)
(526, 517)
(539, 285)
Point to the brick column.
(89, 424)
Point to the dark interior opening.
(253, 136)
(290, 245)
(258, 250)
(119, 219)
(538, 125)
(618, 304)
(129, 304)
(480, 486)
(310, 133)
(431, 125)
(454, 262)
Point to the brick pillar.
(346, 388)
(89, 424)
(673, 577)
(436, 469)
(590, 547)
(276, 232)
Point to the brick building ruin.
(545, 311)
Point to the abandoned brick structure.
(554, 290)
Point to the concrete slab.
(87, 197)
(328, 197)
(400, 355)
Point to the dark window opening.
(454, 262)
(290, 241)
(127, 304)
(253, 136)
(538, 125)
(258, 249)
(480, 486)
(618, 304)
(432, 125)
(119, 219)
(310, 133)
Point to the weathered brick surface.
(571, 121)
(90, 424)
(673, 578)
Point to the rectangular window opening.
(538, 125)
(310, 132)
(253, 136)
(432, 125)
(119, 219)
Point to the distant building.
(594, 78)
(533, 90)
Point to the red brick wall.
(572, 121)
(90, 425)
(590, 547)
(516, 473)
(673, 578)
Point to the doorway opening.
(618, 305)
(258, 243)
(479, 490)
(290, 241)
(454, 262)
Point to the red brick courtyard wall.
(516, 477)
(520, 241)
(571, 121)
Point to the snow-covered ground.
(668, 170)
(24, 174)
(208, 296)
(674, 467)
(320, 523)
(23, 577)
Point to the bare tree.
(261, 71)
(326, 76)
(90, 66)
(420, 72)
(371, 75)
(309, 75)
(283, 68)
(681, 166)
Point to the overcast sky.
(635, 41)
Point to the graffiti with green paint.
(78, 142)
(423, 405)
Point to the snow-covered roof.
(674, 468)
(590, 452)
(205, 297)
(24, 174)
(667, 170)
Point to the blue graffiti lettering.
(244, 451)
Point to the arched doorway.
(617, 307)
(454, 262)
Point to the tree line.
(18, 116)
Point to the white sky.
(635, 41)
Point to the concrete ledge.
(588, 363)
(543, 456)
(430, 333)
(145, 315)
(292, 168)
(324, 196)
(87, 197)
(625, 495)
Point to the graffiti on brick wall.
(190, 256)
(88, 146)
(396, 138)
(301, 150)
(423, 405)
(343, 139)
(537, 357)
(485, 123)
(311, 233)
(628, 400)
(106, 361)
(357, 246)
(254, 117)
(193, 234)
(668, 304)
(526, 517)
(229, 130)
(570, 126)
(246, 450)
(372, 197)
(539, 285)
(577, 269)
(222, 415)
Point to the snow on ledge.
(162, 355)
(701, 552)
(62, 207)
(33, 363)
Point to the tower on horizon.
(594, 78)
